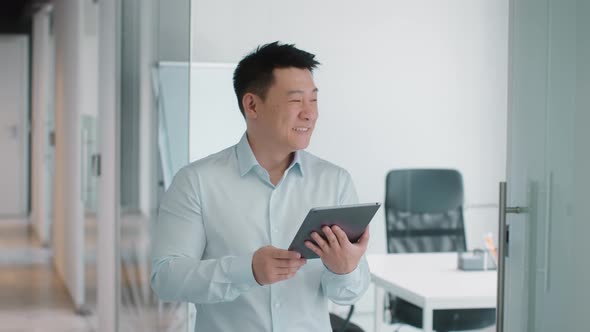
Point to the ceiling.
(15, 15)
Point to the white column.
(108, 183)
(68, 230)
(379, 304)
(42, 58)
(147, 110)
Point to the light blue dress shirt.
(217, 212)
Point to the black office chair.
(340, 324)
(424, 213)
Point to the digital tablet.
(353, 219)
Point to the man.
(226, 220)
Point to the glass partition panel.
(154, 146)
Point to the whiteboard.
(171, 89)
(213, 122)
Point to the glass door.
(546, 220)
(153, 146)
(144, 142)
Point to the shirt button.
(277, 304)
(275, 230)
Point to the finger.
(320, 241)
(332, 239)
(286, 263)
(285, 254)
(314, 248)
(364, 239)
(286, 270)
(284, 277)
(340, 234)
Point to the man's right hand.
(271, 264)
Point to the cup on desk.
(476, 260)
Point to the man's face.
(290, 110)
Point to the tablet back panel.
(353, 219)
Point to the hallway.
(32, 297)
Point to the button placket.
(271, 225)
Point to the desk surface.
(433, 280)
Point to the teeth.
(301, 129)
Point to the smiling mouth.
(301, 129)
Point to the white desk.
(430, 281)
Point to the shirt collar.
(247, 160)
(296, 163)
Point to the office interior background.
(103, 101)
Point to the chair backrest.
(424, 211)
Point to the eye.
(295, 100)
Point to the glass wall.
(154, 99)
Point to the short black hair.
(254, 72)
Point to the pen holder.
(477, 260)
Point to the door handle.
(502, 237)
(516, 209)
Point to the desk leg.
(427, 314)
(379, 303)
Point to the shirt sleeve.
(178, 271)
(347, 288)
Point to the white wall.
(14, 126)
(212, 106)
(419, 83)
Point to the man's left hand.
(336, 251)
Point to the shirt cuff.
(341, 280)
(240, 271)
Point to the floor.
(33, 298)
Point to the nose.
(309, 111)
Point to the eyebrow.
(292, 92)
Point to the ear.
(249, 102)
